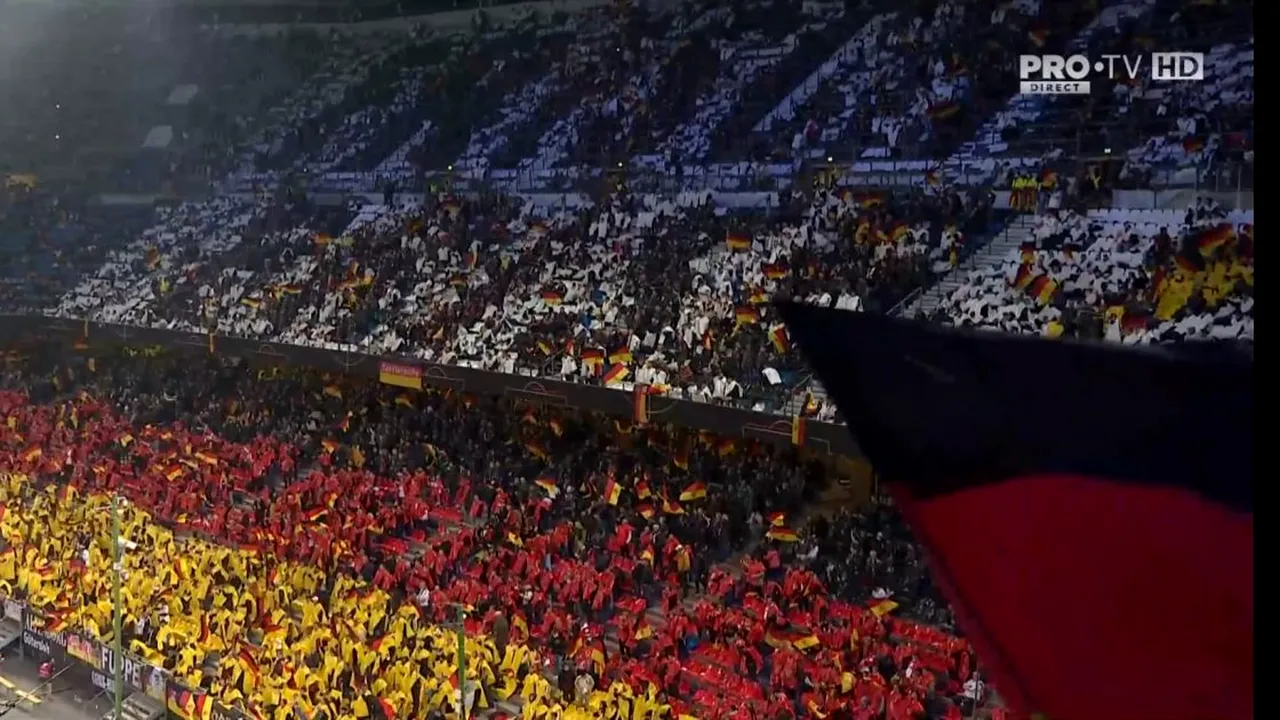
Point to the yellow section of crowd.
(276, 646)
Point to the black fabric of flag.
(1088, 509)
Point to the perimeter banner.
(401, 375)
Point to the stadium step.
(138, 706)
(10, 633)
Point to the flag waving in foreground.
(1088, 509)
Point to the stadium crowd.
(304, 541)
(1135, 277)
(639, 289)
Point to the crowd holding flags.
(276, 590)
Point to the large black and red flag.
(1088, 509)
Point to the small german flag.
(773, 271)
(616, 374)
(612, 492)
(737, 242)
(695, 491)
(552, 297)
(646, 511)
(782, 534)
(747, 315)
(620, 355)
(883, 607)
(781, 341)
(548, 485)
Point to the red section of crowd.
(763, 636)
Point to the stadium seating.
(269, 516)
(1134, 276)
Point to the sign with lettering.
(138, 675)
(37, 637)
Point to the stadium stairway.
(1014, 234)
(138, 706)
(10, 633)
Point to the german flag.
(646, 511)
(1042, 288)
(806, 641)
(206, 458)
(883, 607)
(329, 445)
(747, 315)
(620, 355)
(1028, 250)
(781, 341)
(681, 460)
(695, 491)
(782, 533)
(552, 297)
(774, 271)
(548, 485)
(537, 450)
(757, 297)
(671, 508)
(799, 427)
(1210, 240)
(612, 492)
(776, 519)
(642, 489)
(616, 374)
(737, 242)
(249, 662)
(593, 357)
(1158, 524)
